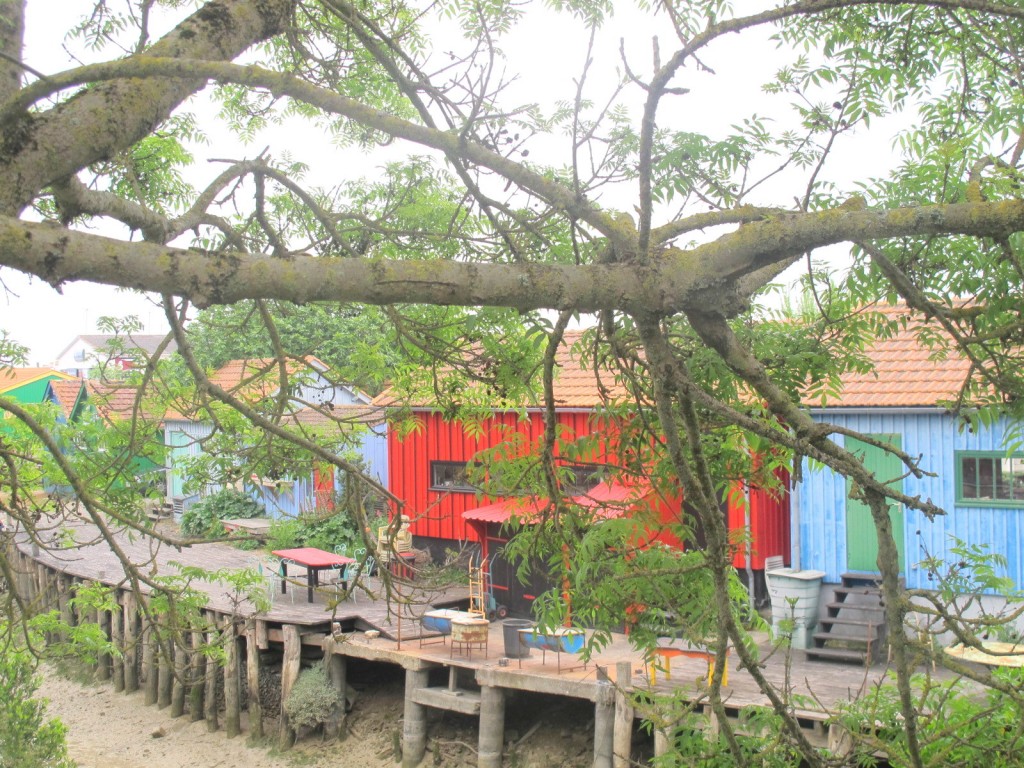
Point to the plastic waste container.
(514, 648)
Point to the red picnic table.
(313, 560)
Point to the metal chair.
(348, 580)
(271, 573)
(336, 575)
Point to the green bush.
(323, 533)
(284, 534)
(312, 700)
(27, 740)
(203, 519)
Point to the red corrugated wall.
(439, 514)
(769, 523)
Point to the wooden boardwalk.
(79, 552)
(339, 632)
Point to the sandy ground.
(109, 730)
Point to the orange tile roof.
(67, 394)
(906, 373)
(12, 378)
(259, 376)
(575, 384)
(339, 416)
(117, 401)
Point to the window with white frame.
(449, 476)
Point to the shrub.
(203, 518)
(284, 534)
(27, 739)
(312, 700)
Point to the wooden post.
(252, 673)
(212, 672)
(414, 728)
(337, 670)
(661, 740)
(46, 592)
(165, 666)
(117, 639)
(604, 721)
(197, 693)
(149, 664)
(180, 672)
(622, 741)
(103, 665)
(64, 603)
(290, 667)
(492, 726)
(41, 586)
(232, 698)
(131, 643)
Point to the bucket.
(514, 647)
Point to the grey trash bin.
(514, 649)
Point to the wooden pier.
(174, 673)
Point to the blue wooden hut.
(972, 473)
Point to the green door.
(861, 537)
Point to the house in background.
(88, 354)
(325, 411)
(70, 396)
(427, 470)
(28, 386)
(970, 472)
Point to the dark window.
(990, 479)
(449, 476)
(582, 478)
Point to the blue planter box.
(441, 620)
(558, 640)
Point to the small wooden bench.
(665, 653)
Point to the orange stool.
(666, 652)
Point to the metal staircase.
(854, 630)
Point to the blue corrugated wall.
(287, 499)
(935, 437)
(290, 499)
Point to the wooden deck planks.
(827, 684)
(92, 558)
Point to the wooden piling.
(622, 739)
(212, 672)
(150, 655)
(181, 665)
(414, 727)
(164, 665)
(131, 642)
(104, 664)
(604, 721)
(232, 698)
(197, 693)
(252, 673)
(291, 664)
(337, 670)
(117, 640)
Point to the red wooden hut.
(427, 470)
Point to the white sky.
(45, 321)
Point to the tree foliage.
(492, 216)
(27, 738)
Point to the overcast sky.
(45, 321)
